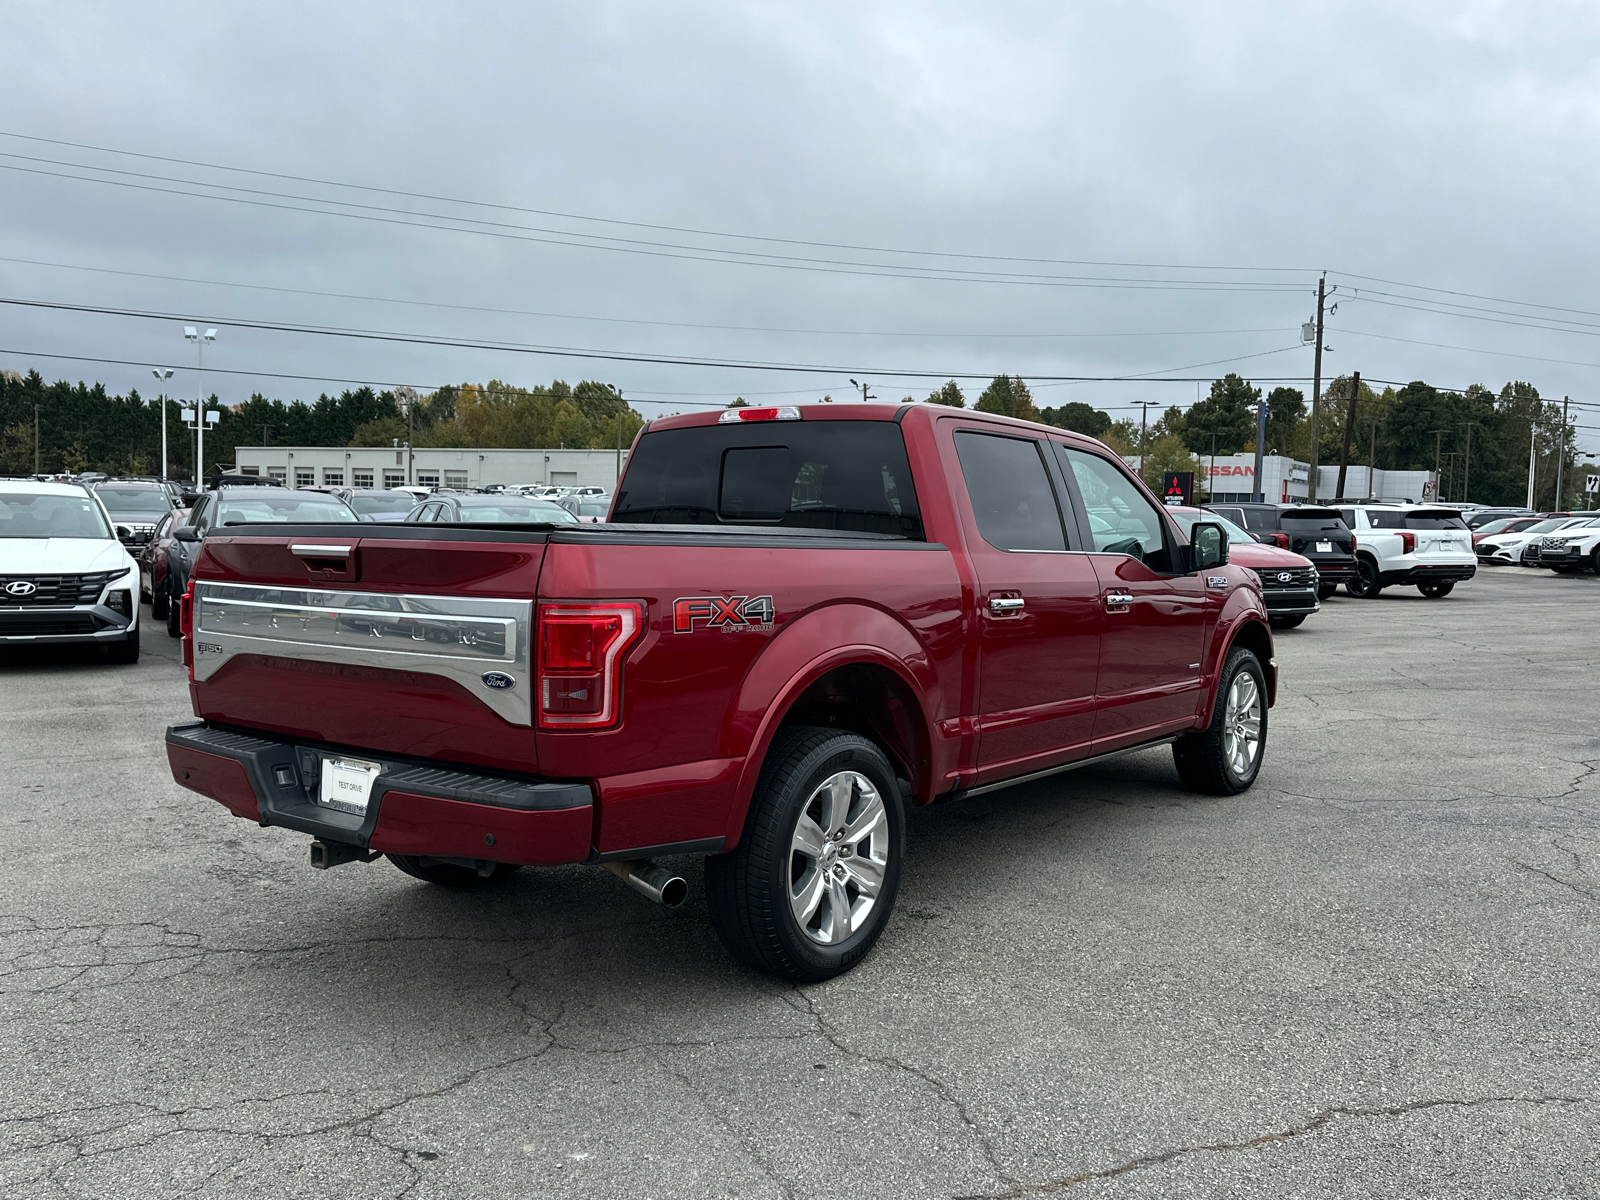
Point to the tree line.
(1412, 428)
(82, 427)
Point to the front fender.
(808, 648)
(1243, 609)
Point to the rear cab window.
(847, 475)
(1010, 490)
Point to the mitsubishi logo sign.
(21, 587)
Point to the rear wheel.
(449, 874)
(1293, 622)
(1437, 589)
(174, 627)
(1365, 585)
(158, 603)
(1225, 759)
(809, 887)
(1594, 560)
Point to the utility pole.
(1349, 431)
(1316, 387)
(865, 397)
(1144, 416)
(1561, 455)
(1372, 462)
(1466, 469)
(199, 339)
(619, 451)
(1437, 477)
(1257, 491)
(36, 470)
(1533, 461)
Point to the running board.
(1061, 770)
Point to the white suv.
(1429, 548)
(64, 576)
(1573, 548)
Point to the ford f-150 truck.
(796, 622)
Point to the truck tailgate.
(394, 640)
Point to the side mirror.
(186, 533)
(1208, 546)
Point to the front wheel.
(125, 650)
(449, 874)
(1365, 585)
(174, 624)
(158, 603)
(1437, 589)
(1225, 759)
(809, 887)
(1326, 591)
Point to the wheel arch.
(1252, 634)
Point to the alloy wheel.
(1241, 724)
(837, 856)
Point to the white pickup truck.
(1404, 545)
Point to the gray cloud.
(1435, 144)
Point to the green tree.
(1077, 417)
(1008, 396)
(1286, 408)
(739, 402)
(381, 432)
(949, 395)
(1228, 413)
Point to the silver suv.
(64, 576)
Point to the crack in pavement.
(940, 1087)
(1326, 1117)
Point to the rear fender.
(808, 648)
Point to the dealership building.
(429, 466)
(1284, 480)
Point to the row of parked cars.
(1566, 542)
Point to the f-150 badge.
(731, 614)
(1217, 581)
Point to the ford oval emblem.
(499, 680)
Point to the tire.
(174, 625)
(159, 605)
(1594, 560)
(1437, 589)
(1365, 585)
(1293, 622)
(1208, 762)
(1326, 591)
(808, 773)
(450, 875)
(125, 651)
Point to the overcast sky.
(1238, 149)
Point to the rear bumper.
(1338, 570)
(1428, 572)
(415, 808)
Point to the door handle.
(1006, 604)
(1118, 601)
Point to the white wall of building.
(364, 466)
(1284, 480)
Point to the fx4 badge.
(731, 614)
(1220, 581)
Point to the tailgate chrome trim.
(459, 638)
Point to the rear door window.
(1010, 490)
(1437, 519)
(845, 475)
(1259, 520)
(1312, 520)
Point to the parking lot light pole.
(190, 333)
(162, 375)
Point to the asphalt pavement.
(1374, 974)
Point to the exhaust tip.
(653, 882)
(674, 892)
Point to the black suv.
(1310, 530)
(135, 506)
(241, 504)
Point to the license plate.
(1324, 547)
(347, 783)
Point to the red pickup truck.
(797, 622)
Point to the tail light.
(186, 623)
(735, 415)
(1408, 542)
(1281, 540)
(1352, 543)
(580, 661)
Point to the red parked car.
(798, 622)
(1290, 583)
(153, 564)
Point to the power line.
(581, 352)
(1422, 287)
(627, 223)
(515, 312)
(691, 254)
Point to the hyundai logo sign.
(1284, 577)
(21, 587)
(499, 681)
